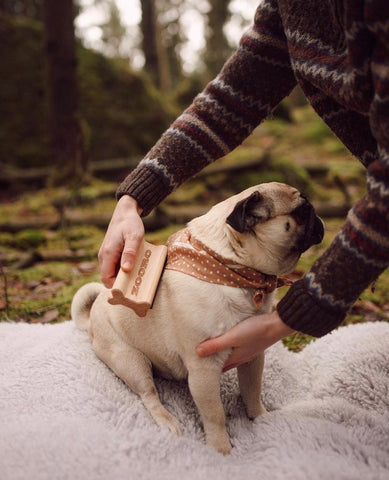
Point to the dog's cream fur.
(187, 311)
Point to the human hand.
(122, 239)
(247, 339)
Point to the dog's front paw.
(253, 411)
(225, 449)
(166, 419)
(221, 443)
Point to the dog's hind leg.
(250, 381)
(204, 385)
(135, 369)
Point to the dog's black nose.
(303, 212)
(314, 227)
(318, 230)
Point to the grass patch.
(291, 147)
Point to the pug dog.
(221, 269)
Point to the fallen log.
(28, 259)
(156, 220)
(15, 225)
(160, 218)
(181, 214)
(98, 219)
(332, 211)
(217, 168)
(11, 175)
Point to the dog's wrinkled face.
(275, 222)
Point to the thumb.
(130, 250)
(211, 346)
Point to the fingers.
(213, 345)
(247, 339)
(109, 259)
(217, 344)
(131, 246)
(122, 240)
(229, 366)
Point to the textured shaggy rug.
(64, 414)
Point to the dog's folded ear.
(248, 212)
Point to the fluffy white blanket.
(65, 415)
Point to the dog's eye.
(287, 226)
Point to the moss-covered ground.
(42, 267)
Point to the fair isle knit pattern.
(338, 52)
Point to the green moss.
(334, 146)
(275, 127)
(350, 171)
(29, 239)
(317, 132)
(160, 237)
(28, 303)
(275, 171)
(6, 239)
(247, 179)
(86, 238)
(188, 193)
(188, 89)
(378, 293)
(297, 341)
(124, 112)
(24, 240)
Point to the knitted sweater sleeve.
(252, 82)
(360, 252)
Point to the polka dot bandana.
(190, 256)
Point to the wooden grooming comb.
(137, 289)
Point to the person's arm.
(251, 84)
(360, 252)
(318, 303)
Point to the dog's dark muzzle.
(314, 227)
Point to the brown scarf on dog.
(190, 256)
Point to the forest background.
(86, 88)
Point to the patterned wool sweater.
(338, 51)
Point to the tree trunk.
(149, 41)
(218, 49)
(67, 156)
(156, 62)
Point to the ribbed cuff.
(301, 311)
(146, 186)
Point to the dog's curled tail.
(82, 304)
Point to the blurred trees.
(27, 8)
(172, 38)
(67, 152)
(151, 34)
(114, 31)
(122, 112)
(161, 39)
(47, 106)
(217, 48)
